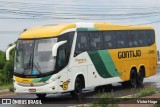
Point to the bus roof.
(46, 31)
(56, 30)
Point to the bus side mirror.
(8, 50)
(55, 47)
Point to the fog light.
(53, 87)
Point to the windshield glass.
(34, 57)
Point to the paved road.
(117, 89)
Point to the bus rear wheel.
(140, 78)
(133, 78)
(41, 96)
(77, 92)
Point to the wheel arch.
(80, 75)
(133, 68)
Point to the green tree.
(2, 59)
(6, 67)
(2, 77)
(9, 66)
(8, 70)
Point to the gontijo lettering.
(129, 54)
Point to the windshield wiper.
(37, 67)
(28, 66)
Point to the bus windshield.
(34, 57)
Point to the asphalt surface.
(63, 100)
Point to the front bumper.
(47, 88)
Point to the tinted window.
(95, 40)
(82, 42)
(64, 50)
(70, 40)
(109, 40)
(121, 39)
(142, 39)
(132, 39)
(150, 37)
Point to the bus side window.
(133, 39)
(130, 39)
(61, 58)
(109, 38)
(96, 40)
(142, 38)
(81, 43)
(150, 37)
(64, 50)
(121, 39)
(62, 54)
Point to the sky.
(17, 15)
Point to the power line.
(15, 32)
(98, 17)
(47, 15)
(34, 14)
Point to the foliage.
(2, 77)
(146, 91)
(6, 86)
(6, 67)
(11, 88)
(157, 105)
(105, 100)
(2, 59)
(110, 100)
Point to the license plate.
(32, 90)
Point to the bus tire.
(99, 89)
(41, 96)
(140, 77)
(125, 83)
(133, 78)
(77, 92)
(103, 88)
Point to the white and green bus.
(72, 57)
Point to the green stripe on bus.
(41, 79)
(104, 63)
(99, 65)
(108, 62)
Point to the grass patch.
(105, 100)
(146, 91)
(7, 86)
(157, 105)
(111, 100)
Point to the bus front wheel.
(77, 92)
